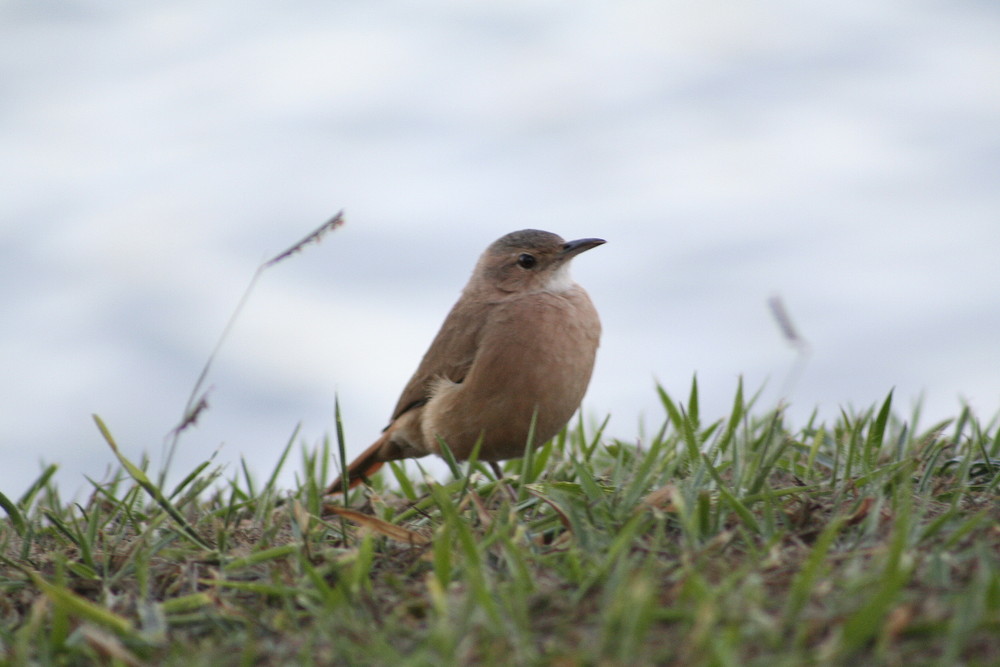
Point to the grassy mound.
(735, 541)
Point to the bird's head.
(530, 260)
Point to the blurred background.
(844, 156)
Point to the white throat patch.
(561, 280)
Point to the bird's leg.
(495, 467)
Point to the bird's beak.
(573, 248)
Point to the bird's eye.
(526, 261)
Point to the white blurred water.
(845, 157)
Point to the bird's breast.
(535, 357)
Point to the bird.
(516, 349)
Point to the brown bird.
(518, 345)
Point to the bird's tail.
(365, 465)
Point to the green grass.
(732, 541)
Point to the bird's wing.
(450, 355)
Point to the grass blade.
(140, 477)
